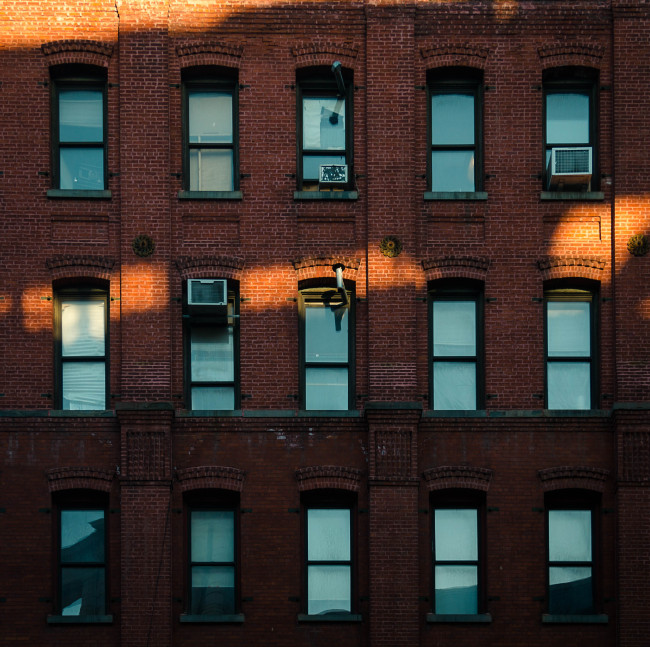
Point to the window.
(81, 318)
(571, 545)
(329, 551)
(213, 577)
(326, 333)
(211, 345)
(570, 123)
(455, 162)
(211, 160)
(456, 345)
(570, 348)
(324, 128)
(79, 128)
(82, 547)
(457, 553)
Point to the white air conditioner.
(570, 168)
(333, 174)
(207, 292)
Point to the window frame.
(77, 77)
(88, 293)
(312, 292)
(206, 316)
(458, 290)
(320, 82)
(206, 79)
(217, 501)
(578, 500)
(572, 80)
(578, 291)
(453, 81)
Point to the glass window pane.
(568, 329)
(83, 591)
(210, 117)
(570, 590)
(82, 536)
(213, 535)
(328, 589)
(213, 590)
(326, 388)
(211, 170)
(326, 334)
(328, 534)
(311, 164)
(81, 169)
(81, 116)
(213, 398)
(456, 535)
(452, 171)
(567, 118)
(454, 328)
(84, 386)
(323, 123)
(568, 385)
(452, 119)
(212, 354)
(454, 386)
(569, 535)
(82, 328)
(456, 589)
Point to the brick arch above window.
(76, 52)
(448, 477)
(214, 477)
(79, 478)
(448, 55)
(198, 53)
(314, 54)
(570, 54)
(69, 266)
(573, 478)
(195, 267)
(561, 267)
(456, 267)
(320, 477)
(321, 267)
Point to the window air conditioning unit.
(207, 292)
(570, 168)
(333, 174)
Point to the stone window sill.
(325, 195)
(78, 195)
(330, 617)
(210, 195)
(587, 619)
(474, 618)
(80, 620)
(234, 618)
(455, 195)
(585, 196)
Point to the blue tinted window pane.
(323, 123)
(82, 536)
(568, 385)
(456, 589)
(213, 398)
(83, 591)
(569, 535)
(326, 387)
(456, 535)
(213, 590)
(81, 116)
(568, 328)
(210, 117)
(454, 328)
(213, 535)
(84, 385)
(211, 170)
(212, 354)
(452, 171)
(452, 119)
(570, 590)
(82, 328)
(312, 163)
(326, 334)
(328, 534)
(567, 118)
(81, 169)
(328, 589)
(454, 386)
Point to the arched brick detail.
(197, 267)
(320, 477)
(569, 478)
(321, 267)
(448, 477)
(447, 55)
(324, 53)
(211, 477)
(80, 266)
(88, 52)
(563, 54)
(456, 267)
(79, 478)
(191, 54)
(561, 267)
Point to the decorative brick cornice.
(559, 54)
(78, 265)
(90, 52)
(193, 53)
(209, 266)
(458, 476)
(79, 478)
(321, 266)
(211, 477)
(566, 477)
(324, 53)
(469, 267)
(554, 267)
(447, 54)
(320, 477)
